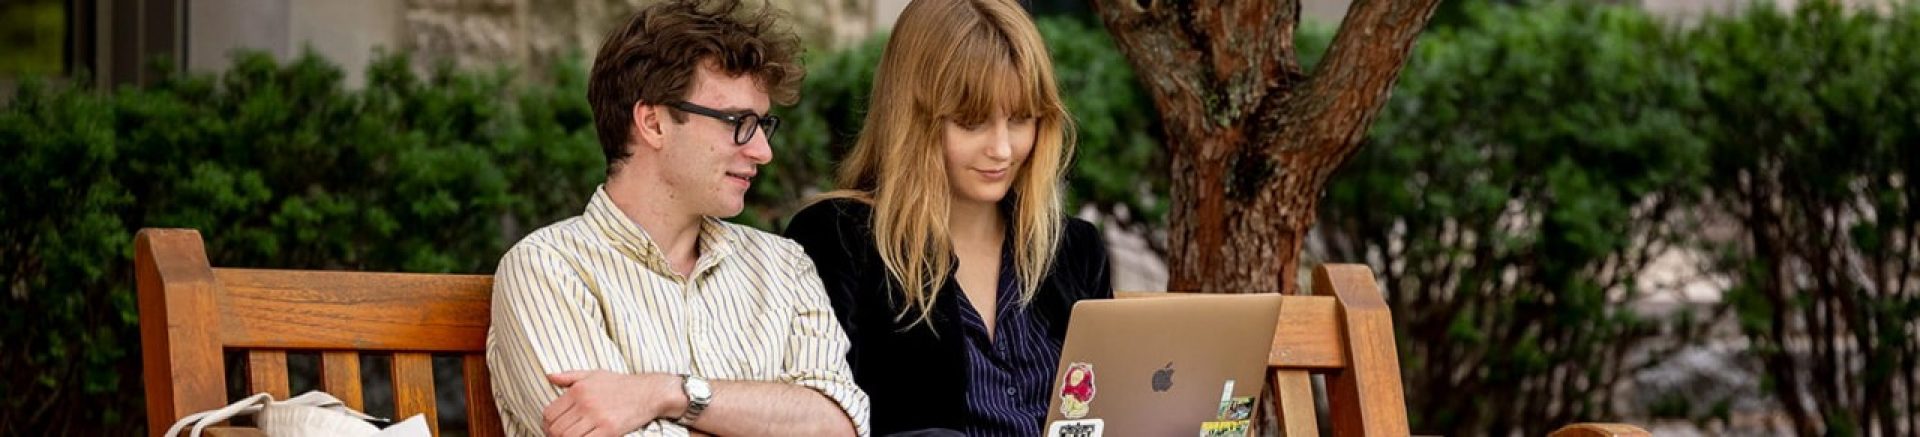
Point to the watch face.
(697, 388)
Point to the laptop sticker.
(1077, 428)
(1077, 390)
(1240, 408)
(1231, 428)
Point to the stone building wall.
(528, 35)
(534, 33)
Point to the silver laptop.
(1163, 366)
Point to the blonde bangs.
(986, 72)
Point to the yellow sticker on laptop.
(1228, 428)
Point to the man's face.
(705, 170)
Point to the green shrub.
(1815, 118)
(1534, 159)
(278, 166)
(1514, 189)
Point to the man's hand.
(601, 403)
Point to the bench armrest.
(1594, 429)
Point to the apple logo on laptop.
(1163, 378)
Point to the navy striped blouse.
(945, 373)
(1009, 374)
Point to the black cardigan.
(916, 377)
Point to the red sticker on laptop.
(1077, 390)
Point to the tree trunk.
(1253, 140)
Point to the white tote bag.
(312, 414)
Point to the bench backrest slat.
(413, 388)
(267, 372)
(340, 377)
(480, 409)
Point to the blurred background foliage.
(1549, 180)
(1534, 164)
(1529, 168)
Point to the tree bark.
(1252, 139)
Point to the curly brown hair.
(653, 56)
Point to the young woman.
(945, 252)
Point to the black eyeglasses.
(743, 123)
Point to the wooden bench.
(191, 312)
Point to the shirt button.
(1009, 391)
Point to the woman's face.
(983, 158)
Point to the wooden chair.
(1344, 332)
(191, 312)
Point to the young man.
(646, 314)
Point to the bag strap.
(200, 420)
(252, 404)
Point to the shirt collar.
(715, 241)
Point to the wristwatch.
(699, 393)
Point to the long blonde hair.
(956, 60)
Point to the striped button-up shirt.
(1009, 374)
(595, 292)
